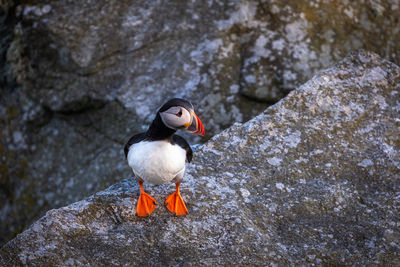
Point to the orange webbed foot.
(146, 204)
(175, 204)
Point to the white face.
(176, 118)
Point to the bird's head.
(178, 114)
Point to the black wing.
(182, 143)
(134, 139)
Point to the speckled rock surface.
(80, 77)
(287, 41)
(315, 179)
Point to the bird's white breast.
(157, 162)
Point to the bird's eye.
(179, 114)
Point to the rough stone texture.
(80, 77)
(287, 41)
(315, 179)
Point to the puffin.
(159, 156)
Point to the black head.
(176, 102)
(175, 114)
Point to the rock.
(314, 179)
(285, 43)
(80, 78)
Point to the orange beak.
(196, 127)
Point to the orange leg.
(175, 203)
(146, 204)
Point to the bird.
(158, 155)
